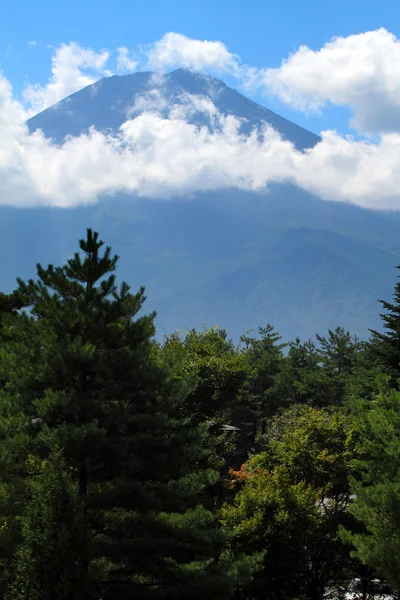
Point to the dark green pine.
(81, 373)
(385, 346)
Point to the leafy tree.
(51, 561)
(289, 503)
(217, 370)
(217, 373)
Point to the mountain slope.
(106, 105)
(236, 258)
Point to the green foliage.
(320, 375)
(217, 374)
(189, 469)
(339, 350)
(315, 446)
(51, 560)
(81, 372)
(386, 345)
(376, 485)
(260, 398)
(290, 500)
(218, 371)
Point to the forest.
(191, 467)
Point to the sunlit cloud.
(160, 152)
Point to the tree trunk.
(82, 480)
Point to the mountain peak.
(184, 74)
(105, 105)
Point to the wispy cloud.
(125, 62)
(177, 50)
(73, 68)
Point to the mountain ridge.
(230, 101)
(232, 257)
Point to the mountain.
(236, 258)
(106, 104)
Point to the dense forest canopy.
(191, 468)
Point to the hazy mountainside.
(239, 259)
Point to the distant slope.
(308, 281)
(105, 105)
(241, 260)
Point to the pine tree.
(376, 485)
(320, 375)
(260, 398)
(338, 351)
(385, 346)
(11, 490)
(81, 374)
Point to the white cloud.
(151, 101)
(361, 71)
(125, 63)
(178, 50)
(160, 154)
(160, 157)
(73, 68)
(183, 107)
(188, 105)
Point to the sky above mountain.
(331, 74)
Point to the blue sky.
(261, 32)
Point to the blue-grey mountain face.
(239, 259)
(108, 103)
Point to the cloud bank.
(163, 156)
(360, 71)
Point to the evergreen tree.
(299, 381)
(11, 487)
(376, 485)
(81, 374)
(260, 398)
(320, 375)
(338, 351)
(385, 346)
